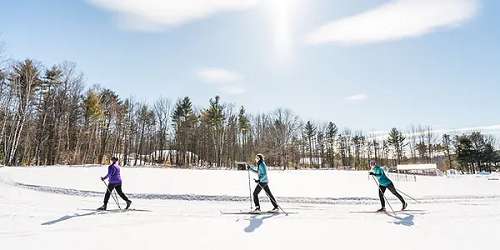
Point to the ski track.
(297, 200)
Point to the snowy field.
(51, 208)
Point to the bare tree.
(25, 80)
(163, 112)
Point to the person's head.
(373, 163)
(114, 159)
(259, 158)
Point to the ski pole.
(273, 200)
(116, 198)
(405, 194)
(249, 189)
(385, 198)
(111, 193)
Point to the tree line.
(49, 117)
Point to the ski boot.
(381, 210)
(102, 208)
(405, 205)
(128, 204)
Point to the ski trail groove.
(299, 200)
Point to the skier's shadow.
(256, 221)
(404, 221)
(67, 217)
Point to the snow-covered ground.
(50, 208)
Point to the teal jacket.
(383, 180)
(261, 170)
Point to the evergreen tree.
(446, 143)
(397, 140)
(310, 133)
(464, 152)
(215, 118)
(330, 136)
(183, 120)
(244, 128)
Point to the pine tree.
(331, 135)
(446, 143)
(182, 118)
(464, 151)
(310, 133)
(214, 116)
(396, 140)
(244, 128)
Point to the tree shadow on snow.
(256, 221)
(67, 217)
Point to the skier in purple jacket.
(115, 182)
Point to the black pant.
(393, 190)
(118, 188)
(256, 192)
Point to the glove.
(256, 181)
(371, 173)
(102, 178)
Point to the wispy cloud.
(394, 21)
(357, 97)
(224, 80)
(218, 75)
(156, 15)
(492, 130)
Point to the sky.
(366, 64)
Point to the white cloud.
(225, 81)
(394, 21)
(487, 129)
(358, 97)
(156, 15)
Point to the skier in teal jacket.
(262, 183)
(384, 183)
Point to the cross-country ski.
(249, 212)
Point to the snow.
(45, 208)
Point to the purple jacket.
(114, 174)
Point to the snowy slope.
(47, 208)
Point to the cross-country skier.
(384, 183)
(115, 182)
(262, 183)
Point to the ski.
(368, 212)
(384, 212)
(117, 210)
(249, 212)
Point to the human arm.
(109, 174)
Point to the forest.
(50, 116)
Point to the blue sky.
(366, 64)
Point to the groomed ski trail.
(295, 200)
